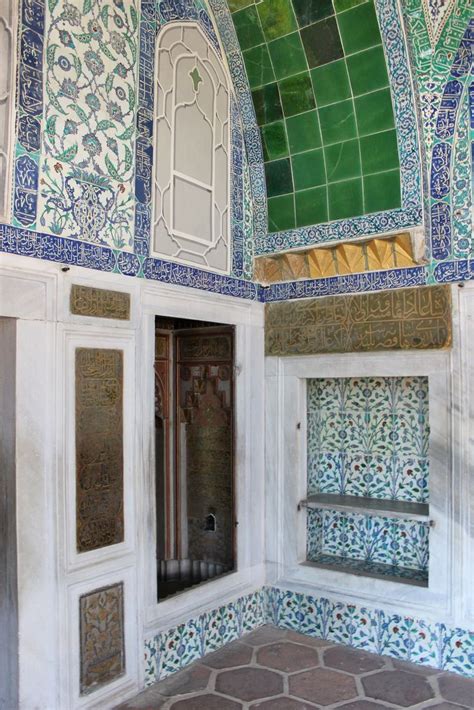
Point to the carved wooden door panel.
(204, 445)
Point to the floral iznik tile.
(374, 630)
(374, 539)
(369, 437)
(86, 181)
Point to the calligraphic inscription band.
(99, 448)
(102, 644)
(412, 318)
(99, 303)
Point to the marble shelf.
(361, 568)
(369, 506)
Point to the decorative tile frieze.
(375, 630)
(99, 303)
(174, 649)
(399, 319)
(99, 448)
(102, 638)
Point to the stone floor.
(274, 669)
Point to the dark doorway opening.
(194, 447)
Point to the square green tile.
(337, 122)
(382, 191)
(322, 42)
(308, 169)
(287, 55)
(248, 28)
(297, 94)
(311, 206)
(331, 83)
(309, 11)
(303, 132)
(259, 66)
(274, 141)
(281, 213)
(278, 175)
(345, 199)
(235, 5)
(277, 18)
(267, 104)
(379, 152)
(342, 161)
(341, 5)
(374, 112)
(367, 70)
(359, 28)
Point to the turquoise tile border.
(379, 631)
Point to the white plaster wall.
(450, 596)
(51, 575)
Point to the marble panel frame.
(287, 478)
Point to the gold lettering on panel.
(99, 448)
(99, 303)
(102, 647)
(415, 318)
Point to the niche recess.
(368, 476)
(194, 453)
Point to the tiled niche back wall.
(321, 94)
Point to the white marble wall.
(51, 575)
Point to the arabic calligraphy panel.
(99, 448)
(400, 319)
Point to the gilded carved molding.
(102, 645)
(99, 303)
(394, 252)
(412, 318)
(99, 448)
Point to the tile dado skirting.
(418, 318)
(374, 630)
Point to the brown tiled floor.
(272, 669)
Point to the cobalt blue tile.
(29, 133)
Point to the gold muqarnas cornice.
(404, 319)
(394, 252)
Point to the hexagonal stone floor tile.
(264, 635)
(206, 702)
(190, 680)
(249, 683)
(284, 703)
(235, 654)
(457, 689)
(351, 660)
(287, 656)
(362, 705)
(307, 640)
(323, 686)
(448, 706)
(398, 687)
(414, 668)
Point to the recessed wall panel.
(102, 645)
(99, 448)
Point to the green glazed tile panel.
(321, 93)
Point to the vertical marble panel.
(102, 644)
(99, 448)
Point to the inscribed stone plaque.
(412, 318)
(102, 642)
(99, 448)
(99, 303)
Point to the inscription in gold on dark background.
(99, 303)
(411, 318)
(102, 648)
(99, 448)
